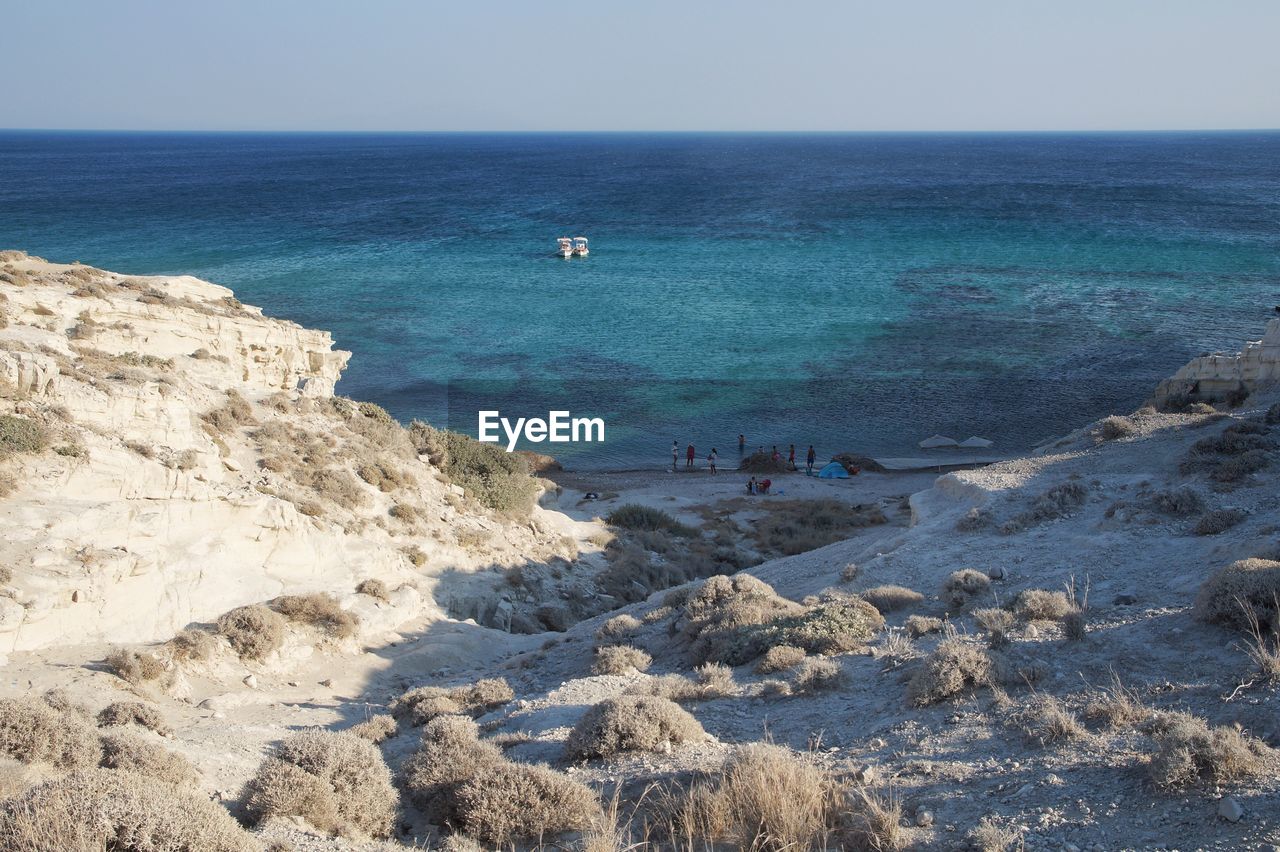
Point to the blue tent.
(834, 470)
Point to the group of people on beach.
(690, 454)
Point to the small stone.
(250, 681)
(997, 573)
(293, 683)
(1125, 600)
(1024, 789)
(1229, 809)
(866, 775)
(326, 682)
(924, 818)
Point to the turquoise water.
(858, 292)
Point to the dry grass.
(120, 811)
(636, 518)
(631, 723)
(21, 435)
(1191, 750)
(514, 802)
(962, 587)
(253, 631)
(1230, 595)
(1045, 720)
(989, 836)
(134, 666)
(1115, 427)
(997, 622)
(921, 625)
(955, 667)
(231, 415)
(424, 703)
(620, 659)
(1059, 501)
(192, 644)
(375, 589)
(1263, 644)
(133, 713)
(891, 598)
(975, 520)
(32, 731)
(349, 787)
(816, 675)
(618, 627)
(780, 658)
(1116, 706)
(318, 610)
(132, 753)
(1179, 502)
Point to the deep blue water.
(852, 291)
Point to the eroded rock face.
(1213, 378)
(146, 512)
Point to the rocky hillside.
(169, 454)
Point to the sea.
(856, 292)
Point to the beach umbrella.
(937, 441)
(975, 443)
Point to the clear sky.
(640, 64)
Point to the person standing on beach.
(688, 458)
(777, 456)
(742, 444)
(675, 455)
(809, 460)
(711, 460)
(791, 458)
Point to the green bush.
(20, 435)
(636, 517)
(495, 478)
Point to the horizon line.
(743, 132)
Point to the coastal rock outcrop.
(1218, 377)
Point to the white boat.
(566, 247)
(580, 246)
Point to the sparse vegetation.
(1179, 502)
(231, 415)
(136, 667)
(495, 478)
(132, 753)
(424, 703)
(335, 781)
(920, 625)
(1045, 720)
(780, 658)
(1114, 427)
(997, 622)
(1041, 605)
(1058, 502)
(253, 631)
(515, 802)
(192, 644)
(450, 754)
(631, 723)
(375, 729)
(1190, 750)
(798, 526)
(374, 588)
(21, 435)
(816, 675)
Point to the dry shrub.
(798, 526)
(1243, 587)
(1041, 605)
(335, 485)
(133, 713)
(635, 517)
(711, 681)
(1044, 720)
(873, 822)
(989, 836)
(1179, 502)
(374, 588)
(1058, 502)
(14, 778)
(319, 610)
(483, 695)
(121, 811)
(450, 754)
(1219, 521)
(253, 631)
(620, 659)
(31, 731)
(1263, 644)
(132, 753)
(424, 703)
(961, 587)
(618, 627)
(1116, 706)
(780, 658)
(631, 723)
(192, 644)
(495, 478)
(997, 622)
(816, 676)
(920, 625)
(134, 666)
(21, 435)
(891, 598)
(345, 768)
(383, 475)
(231, 415)
(60, 700)
(375, 729)
(975, 520)
(515, 802)
(954, 667)
(1115, 427)
(1190, 750)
